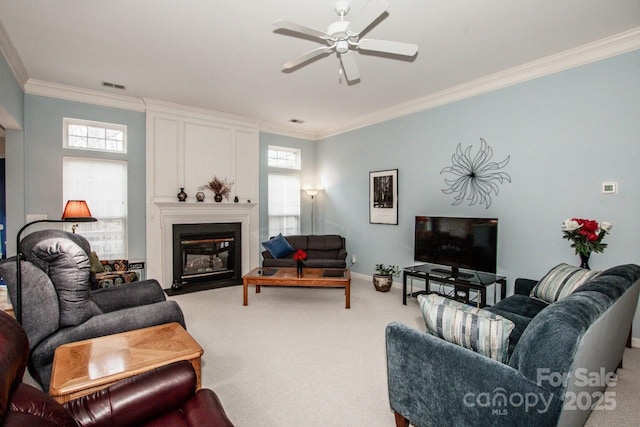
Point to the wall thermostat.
(609, 187)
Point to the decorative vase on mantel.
(217, 198)
(182, 196)
(299, 267)
(584, 261)
(200, 196)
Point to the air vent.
(296, 121)
(114, 85)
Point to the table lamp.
(74, 211)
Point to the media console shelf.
(460, 285)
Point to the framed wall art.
(383, 197)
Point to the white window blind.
(284, 204)
(103, 184)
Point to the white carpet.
(296, 356)
(624, 394)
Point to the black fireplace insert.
(207, 255)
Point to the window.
(103, 184)
(283, 157)
(86, 135)
(284, 191)
(284, 204)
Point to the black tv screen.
(470, 243)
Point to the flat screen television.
(454, 242)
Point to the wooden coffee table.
(311, 277)
(83, 367)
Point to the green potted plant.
(383, 279)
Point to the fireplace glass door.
(207, 254)
(207, 257)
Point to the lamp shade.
(311, 192)
(77, 211)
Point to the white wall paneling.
(186, 147)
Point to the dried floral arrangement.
(220, 187)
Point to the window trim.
(68, 121)
(296, 151)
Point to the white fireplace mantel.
(163, 215)
(185, 148)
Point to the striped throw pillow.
(470, 327)
(561, 281)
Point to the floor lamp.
(74, 211)
(312, 194)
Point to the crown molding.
(586, 54)
(592, 52)
(164, 107)
(70, 93)
(285, 130)
(13, 59)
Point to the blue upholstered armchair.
(58, 305)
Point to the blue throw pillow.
(278, 246)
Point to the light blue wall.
(307, 179)
(11, 99)
(44, 153)
(12, 102)
(566, 134)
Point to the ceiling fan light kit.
(343, 37)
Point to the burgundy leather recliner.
(165, 396)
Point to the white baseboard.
(635, 342)
(369, 278)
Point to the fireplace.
(206, 255)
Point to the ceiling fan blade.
(387, 46)
(306, 57)
(281, 24)
(349, 66)
(372, 11)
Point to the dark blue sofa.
(561, 359)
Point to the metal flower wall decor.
(474, 177)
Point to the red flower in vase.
(300, 255)
(586, 234)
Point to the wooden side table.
(83, 367)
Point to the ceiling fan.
(343, 37)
